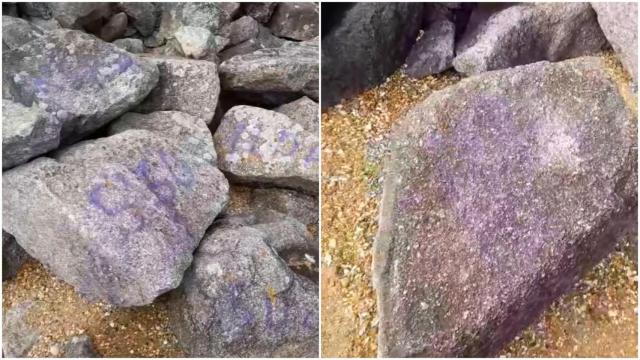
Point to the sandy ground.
(598, 319)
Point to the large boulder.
(191, 86)
(17, 32)
(243, 29)
(265, 147)
(288, 70)
(80, 82)
(619, 22)
(499, 193)
(433, 52)
(364, 44)
(526, 33)
(239, 299)
(119, 217)
(295, 20)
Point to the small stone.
(194, 42)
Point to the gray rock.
(35, 9)
(303, 111)
(260, 11)
(200, 14)
(82, 83)
(17, 32)
(194, 42)
(80, 347)
(523, 34)
(368, 43)
(301, 207)
(499, 193)
(265, 147)
(185, 85)
(243, 29)
(115, 28)
(433, 52)
(18, 337)
(26, 133)
(46, 24)
(240, 299)
(13, 256)
(285, 70)
(295, 20)
(77, 15)
(143, 16)
(231, 8)
(285, 234)
(619, 22)
(263, 40)
(132, 45)
(119, 217)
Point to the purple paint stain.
(124, 63)
(235, 136)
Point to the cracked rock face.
(240, 299)
(265, 147)
(499, 193)
(80, 82)
(119, 217)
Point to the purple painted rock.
(295, 20)
(526, 33)
(619, 22)
(185, 85)
(433, 52)
(239, 299)
(500, 191)
(265, 147)
(119, 217)
(81, 82)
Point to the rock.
(18, 337)
(114, 28)
(105, 82)
(35, 9)
(295, 20)
(433, 53)
(619, 22)
(80, 347)
(301, 207)
(17, 32)
(77, 15)
(243, 29)
(185, 85)
(240, 299)
(263, 40)
(119, 217)
(194, 42)
(204, 15)
(26, 133)
(46, 25)
(231, 8)
(285, 70)
(499, 193)
(260, 11)
(13, 256)
(265, 147)
(523, 34)
(143, 16)
(303, 111)
(134, 46)
(10, 9)
(366, 44)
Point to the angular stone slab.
(290, 69)
(262, 146)
(119, 217)
(499, 193)
(191, 86)
(295, 20)
(619, 22)
(82, 83)
(526, 33)
(239, 299)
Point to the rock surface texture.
(500, 191)
(295, 20)
(119, 217)
(80, 82)
(262, 146)
(13, 256)
(619, 22)
(18, 336)
(433, 52)
(526, 33)
(364, 46)
(240, 299)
